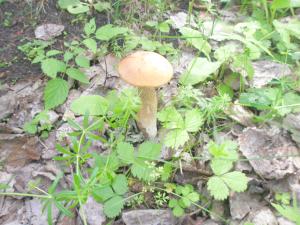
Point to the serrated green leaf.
(55, 93)
(76, 74)
(120, 184)
(193, 196)
(125, 152)
(101, 194)
(176, 138)
(149, 151)
(217, 188)
(82, 61)
(237, 181)
(142, 170)
(193, 120)
(90, 27)
(220, 166)
(172, 203)
(52, 66)
(171, 118)
(178, 211)
(95, 105)
(91, 44)
(113, 206)
(107, 32)
(198, 70)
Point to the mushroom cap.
(145, 69)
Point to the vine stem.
(25, 195)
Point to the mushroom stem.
(146, 117)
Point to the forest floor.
(227, 144)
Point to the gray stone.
(265, 71)
(241, 204)
(149, 217)
(267, 152)
(94, 212)
(264, 217)
(48, 31)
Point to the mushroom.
(146, 70)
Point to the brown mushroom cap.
(145, 69)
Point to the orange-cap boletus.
(146, 70)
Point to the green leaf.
(82, 61)
(107, 32)
(280, 4)
(195, 38)
(220, 166)
(217, 188)
(90, 27)
(172, 203)
(30, 127)
(53, 53)
(95, 105)
(291, 213)
(193, 120)
(178, 211)
(120, 184)
(149, 151)
(102, 6)
(171, 118)
(113, 206)
(55, 93)
(68, 56)
(101, 194)
(78, 8)
(77, 75)
(193, 196)
(64, 4)
(91, 44)
(164, 27)
(198, 70)
(125, 152)
(142, 170)
(237, 181)
(52, 66)
(176, 138)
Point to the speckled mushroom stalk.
(146, 70)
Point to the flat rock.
(264, 217)
(94, 212)
(292, 123)
(149, 217)
(268, 152)
(265, 71)
(17, 150)
(48, 31)
(241, 204)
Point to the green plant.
(40, 124)
(186, 196)
(223, 157)
(179, 127)
(161, 198)
(84, 6)
(292, 213)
